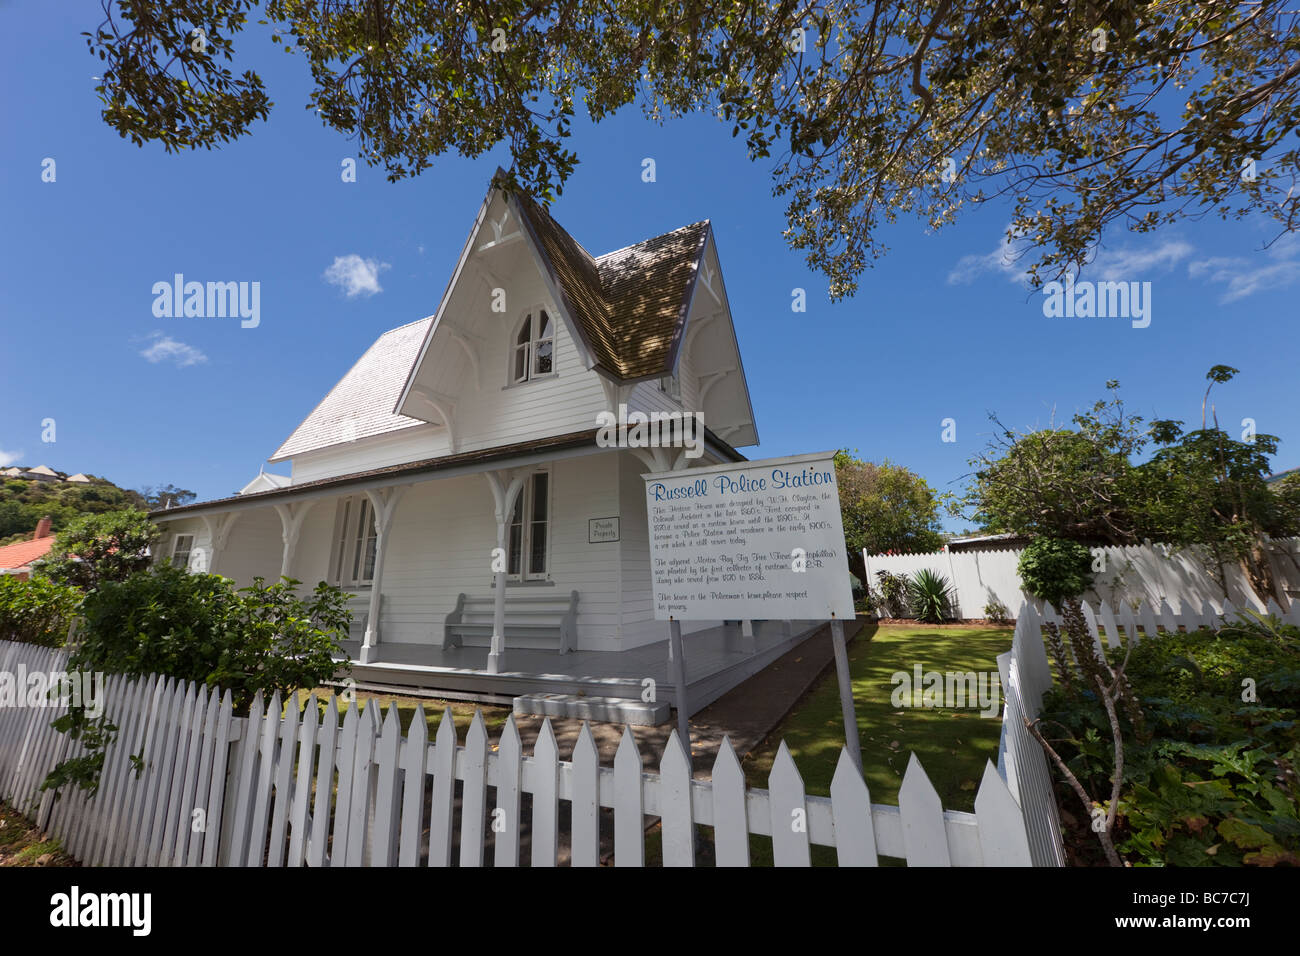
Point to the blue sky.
(939, 329)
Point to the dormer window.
(534, 348)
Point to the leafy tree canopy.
(165, 496)
(1090, 484)
(885, 507)
(101, 548)
(1129, 112)
(1055, 570)
(23, 503)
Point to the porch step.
(614, 710)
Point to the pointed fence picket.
(186, 782)
(1026, 674)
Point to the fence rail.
(187, 782)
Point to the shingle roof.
(629, 304)
(361, 404)
(22, 553)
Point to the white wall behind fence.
(1129, 574)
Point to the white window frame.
(352, 542)
(524, 507)
(177, 551)
(532, 321)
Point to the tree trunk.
(1259, 572)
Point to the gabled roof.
(22, 553)
(43, 470)
(629, 305)
(361, 404)
(265, 481)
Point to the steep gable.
(629, 305)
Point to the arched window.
(534, 347)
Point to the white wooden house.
(476, 429)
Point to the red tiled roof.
(23, 553)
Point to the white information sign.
(750, 540)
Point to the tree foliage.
(23, 503)
(885, 507)
(1074, 483)
(1090, 484)
(36, 611)
(100, 548)
(1055, 570)
(1130, 113)
(156, 497)
(201, 628)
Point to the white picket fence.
(1026, 675)
(1124, 575)
(299, 789)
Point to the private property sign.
(754, 540)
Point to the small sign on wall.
(602, 530)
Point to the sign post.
(677, 674)
(751, 540)
(851, 739)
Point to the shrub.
(98, 548)
(890, 598)
(1214, 784)
(1055, 570)
(995, 610)
(199, 627)
(930, 596)
(37, 611)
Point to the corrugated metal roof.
(361, 404)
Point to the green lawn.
(951, 744)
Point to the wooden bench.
(531, 621)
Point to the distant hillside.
(23, 502)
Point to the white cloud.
(8, 458)
(164, 348)
(355, 276)
(1112, 265)
(1130, 263)
(1004, 259)
(1245, 277)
